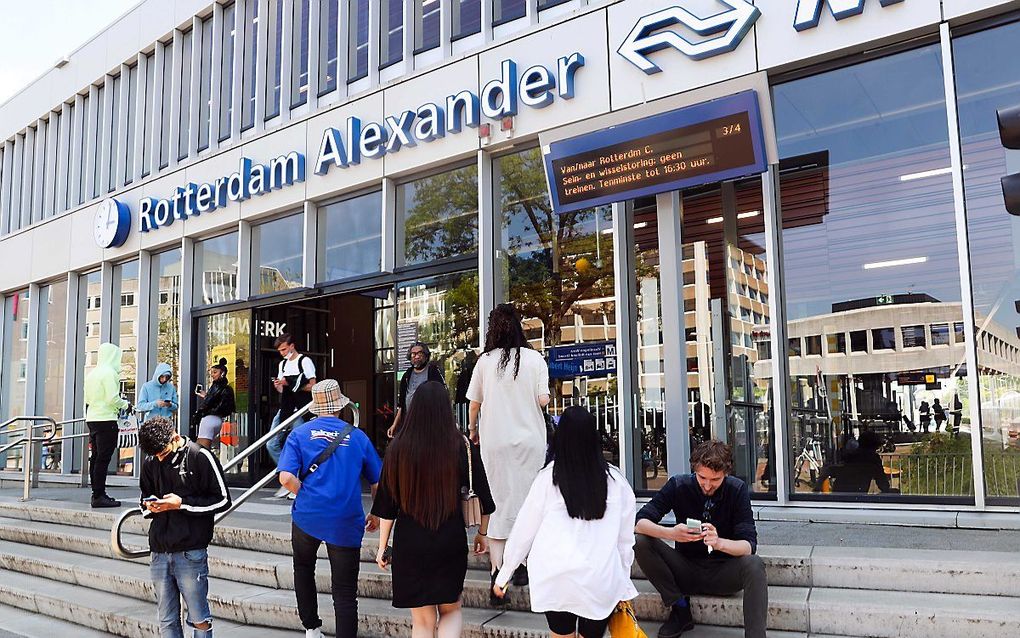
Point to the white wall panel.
(337, 180)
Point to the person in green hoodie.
(103, 405)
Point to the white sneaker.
(313, 633)
(282, 493)
(291, 495)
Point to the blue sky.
(35, 33)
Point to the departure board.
(700, 144)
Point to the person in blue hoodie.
(159, 396)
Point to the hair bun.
(223, 361)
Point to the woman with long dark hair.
(424, 475)
(576, 528)
(509, 387)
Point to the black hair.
(505, 333)
(424, 346)
(221, 365)
(580, 470)
(155, 434)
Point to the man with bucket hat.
(323, 463)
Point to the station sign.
(592, 359)
(700, 144)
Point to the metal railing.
(26, 436)
(115, 534)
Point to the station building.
(200, 178)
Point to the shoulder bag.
(328, 452)
(623, 623)
(470, 504)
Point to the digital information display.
(700, 144)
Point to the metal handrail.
(115, 534)
(28, 439)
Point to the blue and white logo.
(112, 223)
(733, 24)
(809, 12)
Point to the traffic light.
(1009, 134)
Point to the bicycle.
(810, 455)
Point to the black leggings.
(566, 623)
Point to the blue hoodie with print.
(154, 391)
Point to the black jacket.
(434, 375)
(729, 509)
(194, 474)
(219, 401)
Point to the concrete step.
(788, 608)
(19, 623)
(264, 552)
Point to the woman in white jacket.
(576, 529)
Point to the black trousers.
(344, 565)
(103, 439)
(675, 576)
(566, 623)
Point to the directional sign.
(733, 24)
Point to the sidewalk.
(265, 512)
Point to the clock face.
(111, 224)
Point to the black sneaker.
(520, 578)
(105, 501)
(679, 621)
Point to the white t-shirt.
(581, 567)
(289, 368)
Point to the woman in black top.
(216, 405)
(424, 476)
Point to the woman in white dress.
(509, 388)
(577, 529)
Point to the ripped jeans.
(182, 574)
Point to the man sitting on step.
(182, 489)
(716, 554)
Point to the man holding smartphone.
(182, 490)
(715, 542)
(294, 380)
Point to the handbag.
(470, 504)
(623, 623)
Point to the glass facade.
(350, 236)
(277, 250)
(880, 354)
(228, 336)
(440, 215)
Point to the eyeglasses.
(706, 515)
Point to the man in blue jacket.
(159, 396)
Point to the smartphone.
(693, 526)
(387, 555)
(150, 499)
(198, 388)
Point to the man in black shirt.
(719, 558)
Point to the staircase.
(59, 577)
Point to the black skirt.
(428, 566)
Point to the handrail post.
(26, 463)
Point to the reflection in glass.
(350, 236)
(391, 32)
(216, 270)
(14, 369)
(49, 367)
(228, 336)
(277, 253)
(982, 88)
(869, 242)
(328, 16)
(443, 313)
(165, 313)
(426, 33)
(124, 333)
(358, 34)
(440, 215)
(559, 276)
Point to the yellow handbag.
(623, 623)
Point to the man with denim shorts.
(182, 489)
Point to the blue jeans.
(182, 574)
(275, 445)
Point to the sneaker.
(520, 578)
(281, 493)
(314, 633)
(291, 495)
(679, 621)
(105, 501)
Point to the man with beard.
(422, 369)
